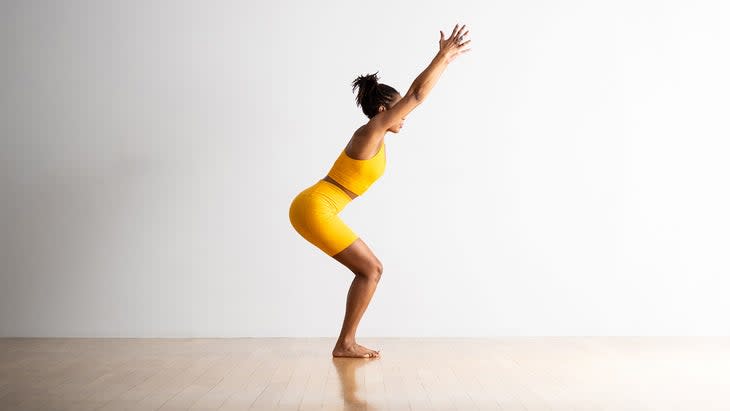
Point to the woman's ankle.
(345, 341)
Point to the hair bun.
(372, 94)
(367, 86)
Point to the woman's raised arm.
(449, 49)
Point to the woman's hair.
(371, 94)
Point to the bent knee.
(372, 272)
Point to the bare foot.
(354, 350)
(373, 352)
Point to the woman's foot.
(373, 352)
(354, 350)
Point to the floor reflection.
(350, 385)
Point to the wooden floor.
(519, 373)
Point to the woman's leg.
(313, 213)
(367, 269)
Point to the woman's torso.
(364, 153)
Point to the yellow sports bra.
(357, 175)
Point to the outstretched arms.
(449, 49)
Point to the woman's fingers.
(457, 35)
(455, 41)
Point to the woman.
(314, 212)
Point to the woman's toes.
(373, 353)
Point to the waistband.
(334, 185)
(332, 195)
(331, 187)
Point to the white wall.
(568, 176)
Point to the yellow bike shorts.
(313, 214)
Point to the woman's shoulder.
(364, 144)
(367, 134)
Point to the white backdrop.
(568, 176)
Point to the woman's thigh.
(360, 259)
(314, 216)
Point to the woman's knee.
(373, 271)
(360, 260)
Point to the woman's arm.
(425, 81)
(449, 49)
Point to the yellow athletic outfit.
(314, 212)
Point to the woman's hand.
(454, 45)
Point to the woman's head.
(372, 96)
